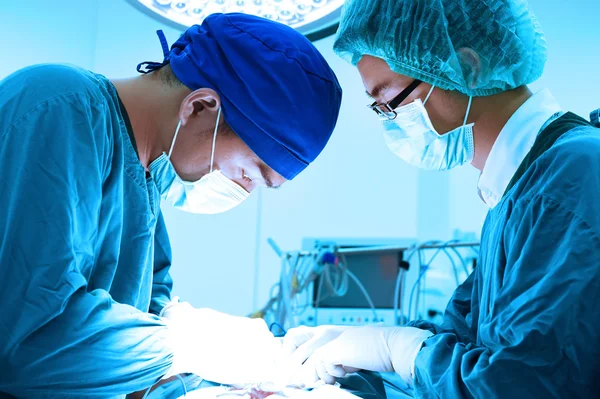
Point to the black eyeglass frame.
(387, 110)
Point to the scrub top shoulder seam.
(47, 102)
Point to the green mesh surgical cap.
(427, 40)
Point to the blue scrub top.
(526, 323)
(84, 251)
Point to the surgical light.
(313, 18)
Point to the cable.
(327, 277)
(473, 248)
(304, 283)
(311, 270)
(182, 383)
(300, 269)
(400, 280)
(305, 273)
(147, 391)
(400, 283)
(297, 272)
(340, 286)
(403, 285)
(453, 266)
(421, 299)
(291, 290)
(462, 260)
(276, 285)
(295, 282)
(300, 309)
(284, 306)
(423, 270)
(318, 298)
(415, 248)
(364, 291)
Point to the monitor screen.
(377, 271)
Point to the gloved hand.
(301, 342)
(219, 347)
(374, 348)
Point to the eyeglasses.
(386, 110)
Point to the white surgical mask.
(213, 193)
(412, 137)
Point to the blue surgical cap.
(426, 40)
(278, 93)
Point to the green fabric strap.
(545, 140)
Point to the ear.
(201, 100)
(471, 66)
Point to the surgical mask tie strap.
(174, 138)
(428, 94)
(468, 110)
(150, 66)
(212, 153)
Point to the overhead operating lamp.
(315, 19)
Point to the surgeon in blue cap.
(449, 82)
(237, 103)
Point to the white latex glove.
(219, 347)
(374, 348)
(301, 342)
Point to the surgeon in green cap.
(449, 81)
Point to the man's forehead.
(378, 77)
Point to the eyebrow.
(378, 89)
(264, 174)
